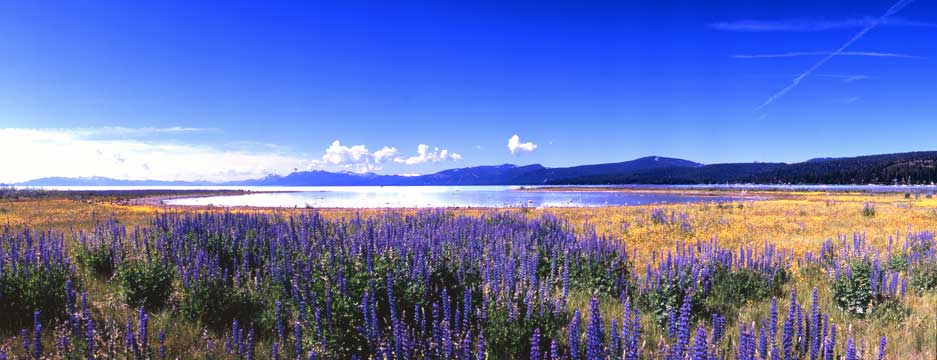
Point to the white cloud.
(338, 154)
(357, 158)
(136, 154)
(384, 154)
(36, 153)
(515, 145)
(425, 155)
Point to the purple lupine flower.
(762, 342)
(89, 338)
(633, 351)
(162, 344)
(595, 332)
(275, 351)
(719, 327)
(815, 326)
(69, 298)
(830, 344)
(672, 323)
(129, 338)
(683, 328)
(787, 338)
(535, 345)
(298, 343)
(851, 350)
(565, 280)
(700, 347)
(773, 320)
(480, 347)
(575, 334)
(614, 339)
(881, 348)
(143, 327)
(37, 336)
(63, 344)
(466, 347)
(3, 354)
(250, 344)
(279, 322)
(27, 341)
(746, 348)
(554, 351)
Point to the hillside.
(904, 168)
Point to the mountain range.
(902, 168)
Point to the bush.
(213, 303)
(924, 277)
(22, 292)
(868, 210)
(145, 283)
(897, 262)
(507, 337)
(890, 311)
(99, 260)
(732, 289)
(852, 293)
(604, 275)
(33, 272)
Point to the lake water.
(472, 196)
(438, 196)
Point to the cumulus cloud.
(140, 154)
(36, 153)
(515, 145)
(425, 155)
(357, 157)
(338, 154)
(385, 153)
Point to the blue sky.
(228, 90)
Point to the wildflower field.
(795, 276)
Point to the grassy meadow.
(812, 235)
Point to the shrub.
(145, 283)
(33, 274)
(506, 337)
(868, 210)
(852, 292)
(213, 303)
(865, 288)
(924, 277)
(22, 292)
(890, 311)
(897, 262)
(99, 260)
(732, 289)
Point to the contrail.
(822, 53)
(894, 9)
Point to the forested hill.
(904, 168)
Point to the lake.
(439, 196)
(473, 196)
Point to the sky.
(181, 90)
